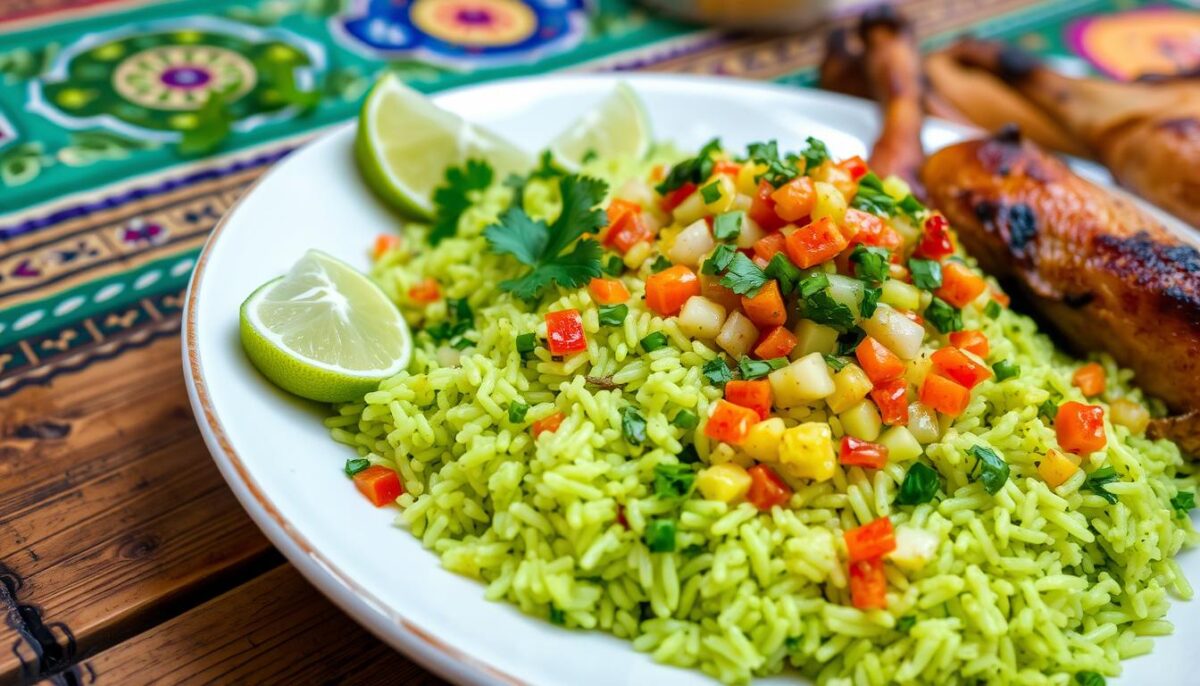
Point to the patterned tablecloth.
(104, 205)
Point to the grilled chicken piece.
(841, 69)
(893, 66)
(1148, 135)
(1107, 275)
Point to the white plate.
(283, 467)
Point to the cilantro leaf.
(522, 237)
(717, 372)
(870, 263)
(787, 274)
(1100, 478)
(694, 170)
(743, 276)
(728, 226)
(1183, 502)
(571, 270)
(944, 316)
(814, 154)
(673, 481)
(820, 307)
(778, 172)
(580, 196)
(633, 425)
(926, 274)
(753, 369)
(835, 362)
(872, 198)
(453, 197)
(992, 470)
(719, 260)
(870, 301)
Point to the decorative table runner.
(126, 129)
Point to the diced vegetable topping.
(855, 452)
(944, 395)
(767, 489)
(872, 540)
(814, 243)
(729, 422)
(384, 244)
(1090, 379)
(424, 292)
(668, 290)
(550, 423)
(1080, 428)
(608, 291)
(766, 308)
(755, 395)
(892, 399)
(880, 364)
(973, 342)
(868, 585)
(564, 332)
(1055, 468)
(953, 364)
(379, 484)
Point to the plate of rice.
(726, 407)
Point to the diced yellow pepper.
(850, 385)
(745, 178)
(896, 187)
(1129, 414)
(807, 452)
(1056, 468)
(830, 203)
(862, 420)
(724, 201)
(762, 441)
(724, 482)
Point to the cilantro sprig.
(694, 170)
(546, 249)
(453, 197)
(778, 171)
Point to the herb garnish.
(814, 154)
(989, 468)
(695, 170)
(944, 316)
(778, 172)
(356, 465)
(517, 412)
(926, 274)
(920, 485)
(870, 263)
(717, 372)
(653, 341)
(728, 226)
(1183, 502)
(660, 535)
(613, 315)
(1100, 478)
(754, 369)
(673, 480)
(743, 276)
(633, 425)
(787, 274)
(453, 197)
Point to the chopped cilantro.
(849, 340)
(1088, 678)
(613, 315)
(1183, 502)
(633, 426)
(557, 616)
(717, 372)
(711, 193)
(544, 248)
(872, 198)
(778, 171)
(688, 455)
(992, 309)
(459, 320)
(517, 412)
(615, 266)
(526, 343)
(673, 480)
(453, 197)
(653, 341)
(660, 535)
(870, 301)
(356, 465)
(911, 207)
(835, 362)
(814, 154)
(787, 274)
(1005, 370)
(728, 226)
(719, 260)
(546, 168)
(1048, 409)
(905, 623)
(944, 316)
(813, 284)
(926, 274)
(753, 369)
(920, 485)
(870, 264)
(823, 309)
(1100, 478)
(743, 276)
(685, 419)
(660, 263)
(695, 170)
(989, 468)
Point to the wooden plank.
(276, 629)
(111, 510)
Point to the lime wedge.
(617, 128)
(405, 143)
(324, 331)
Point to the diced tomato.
(972, 341)
(859, 453)
(426, 291)
(868, 229)
(935, 241)
(625, 226)
(892, 399)
(564, 331)
(953, 364)
(776, 342)
(727, 168)
(855, 166)
(815, 243)
(795, 199)
(766, 308)
(960, 285)
(676, 197)
(762, 208)
(379, 484)
(730, 423)
(768, 246)
(767, 489)
(608, 291)
(868, 585)
(1080, 428)
(1090, 379)
(755, 395)
(944, 395)
(550, 423)
(384, 244)
(668, 290)
(877, 361)
(871, 540)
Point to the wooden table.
(125, 558)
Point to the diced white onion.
(692, 244)
(701, 317)
(898, 333)
(923, 423)
(738, 335)
(805, 380)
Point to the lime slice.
(324, 331)
(405, 143)
(617, 128)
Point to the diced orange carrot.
(668, 290)
(762, 208)
(776, 342)
(795, 199)
(891, 397)
(944, 395)
(871, 540)
(868, 229)
(953, 364)
(960, 285)
(608, 291)
(767, 489)
(379, 484)
(768, 246)
(972, 341)
(755, 395)
(730, 423)
(425, 292)
(1080, 428)
(868, 585)
(550, 423)
(766, 308)
(727, 168)
(815, 243)
(625, 226)
(711, 288)
(1001, 298)
(1090, 378)
(877, 361)
(384, 244)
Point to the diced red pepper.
(550, 423)
(872, 540)
(676, 197)
(960, 286)
(868, 585)
(425, 292)
(935, 241)
(855, 166)
(608, 291)
(668, 290)
(768, 246)
(767, 489)
(1001, 298)
(1090, 379)
(972, 341)
(891, 397)
(953, 364)
(755, 395)
(385, 243)
(625, 226)
(855, 452)
(727, 168)
(730, 423)
(877, 361)
(766, 308)
(1080, 428)
(868, 229)
(815, 243)
(944, 395)
(776, 342)
(379, 484)
(762, 208)
(795, 199)
(564, 331)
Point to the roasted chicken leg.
(1107, 275)
(893, 68)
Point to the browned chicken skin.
(893, 68)
(1106, 274)
(1148, 135)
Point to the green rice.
(1028, 586)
